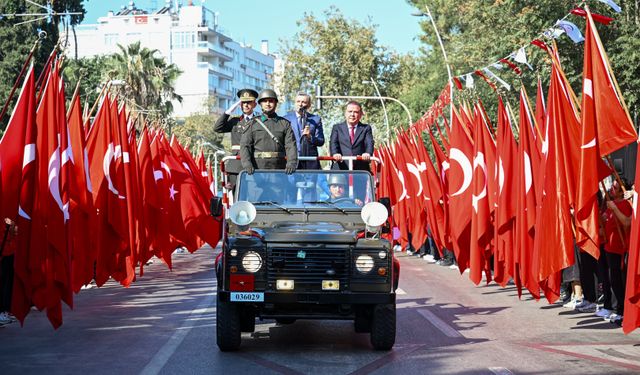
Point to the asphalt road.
(165, 323)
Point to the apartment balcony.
(209, 49)
(218, 91)
(221, 71)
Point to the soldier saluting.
(236, 125)
(269, 139)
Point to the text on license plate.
(247, 297)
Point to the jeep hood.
(309, 232)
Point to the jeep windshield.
(306, 189)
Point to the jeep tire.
(383, 327)
(227, 326)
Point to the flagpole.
(15, 85)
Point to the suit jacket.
(309, 147)
(341, 144)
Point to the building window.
(110, 39)
(183, 39)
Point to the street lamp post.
(444, 53)
(384, 109)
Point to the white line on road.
(400, 291)
(162, 356)
(439, 324)
(500, 370)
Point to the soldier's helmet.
(267, 94)
(337, 179)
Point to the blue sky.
(250, 21)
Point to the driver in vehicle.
(337, 190)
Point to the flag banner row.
(92, 200)
(519, 210)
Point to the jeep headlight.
(252, 262)
(364, 263)
(374, 214)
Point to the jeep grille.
(308, 266)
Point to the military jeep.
(294, 248)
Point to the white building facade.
(212, 64)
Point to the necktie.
(352, 133)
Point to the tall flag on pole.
(606, 127)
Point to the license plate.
(247, 297)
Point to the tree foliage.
(477, 33)
(17, 41)
(141, 76)
(338, 54)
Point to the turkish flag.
(403, 211)
(554, 237)
(606, 127)
(631, 319)
(416, 166)
(441, 173)
(12, 146)
(459, 185)
(111, 242)
(83, 254)
(195, 203)
(180, 185)
(528, 168)
(17, 156)
(505, 213)
(482, 198)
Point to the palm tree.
(149, 79)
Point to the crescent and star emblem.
(110, 155)
(463, 161)
(528, 180)
(478, 161)
(416, 169)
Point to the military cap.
(247, 95)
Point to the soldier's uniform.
(236, 125)
(258, 149)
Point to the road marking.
(400, 291)
(439, 324)
(500, 371)
(162, 356)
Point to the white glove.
(233, 107)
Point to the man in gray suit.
(351, 138)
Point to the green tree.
(338, 54)
(149, 80)
(477, 33)
(16, 41)
(92, 72)
(197, 128)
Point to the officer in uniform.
(269, 139)
(236, 125)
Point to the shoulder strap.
(267, 130)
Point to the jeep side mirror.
(216, 206)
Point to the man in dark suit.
(307, 128)
(351, 138)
